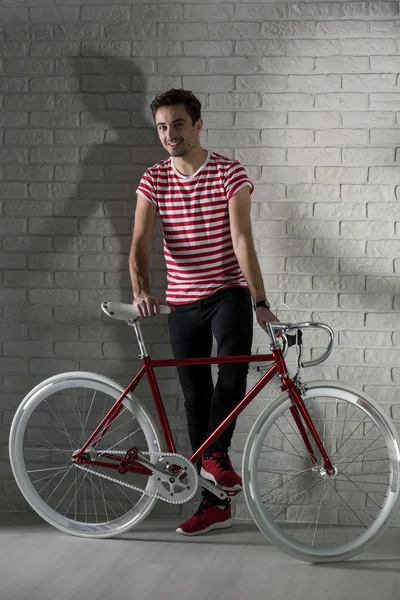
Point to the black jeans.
(227, 315)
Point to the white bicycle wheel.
(304, 511)
(52, 422)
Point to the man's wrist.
(259, 303)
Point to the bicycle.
(320, 465)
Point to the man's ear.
(198, 125)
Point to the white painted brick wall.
(305, 94)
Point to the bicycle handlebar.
(127, 312)
(288, 327)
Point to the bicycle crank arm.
(165, 475)
(207, 485)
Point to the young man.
(203, 200)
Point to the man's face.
(176, 131)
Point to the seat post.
(142, 346)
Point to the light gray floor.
(152, 562)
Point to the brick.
(105, 155)
(48, 367)
(54, 154)
(260, 12)
(310, 264)
(54, 84)
(13, 119)
(313, 156)
(211, 12)
(252, 119)
(373, 156)
(360, 193)
(313, 191)
(318, 11)
(342, 29)
(260, 156)
(280, 174)
(78, 137)
(339, 210)
(52, 190)
(339, 282)
(261, 47)
(56, 14)
(31, 137)
(385, 136)
(132, 31)
(79, 65)
(108, 262)
(389, 28)
(366, 265)
(385, 248)
(289, 210)
(13, 155)
(339, 319)
(124, 101)
(105, 13)
(364, 374)
(261, 83)
(79, 101)
(343, 101)
(12, 365)
(28, 208)
(105, 190)
(81, 31)
(391, 211)
(341, 137)
(27, 348)
(54, 49)
(385, 283)
(29, 101)
(313, 83)
(289, 65)
(78, 208)
(105, 118)
(12, 190)
(306, 228)
(107, 48)
(77, 173)
(364, 338)
(53, 332)
(287, 101)
(8, 49)
(384, 174)
(368, 119)
(300, 300)
(369, 82)
(364, 301)
(28, 66)
(54, 119)
(79, 244)
(13, 84)
(58, 225)
(82, 349)
(35, 314)
(369, 46)
(28, 172)
(31, 243)
(79, 279)
(234, 30)
(290, 29)
(387, 320)
(106, 83)
(13, 15)
(27, 279)
(285, 137)
(314, 120)
(196, 48)
(370, 9)
(387, 64)
(185, 65)
(12, 261)
(341, 174)
(53, 262)
(339, 247)
(343, 64)
(133, 137)
(285, 247)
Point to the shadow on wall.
(84, 245)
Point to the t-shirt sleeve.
(235, 179)
(147, 187)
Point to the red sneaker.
(218, 469)
(207, 517)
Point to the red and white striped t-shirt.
(195, 220)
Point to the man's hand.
(147, 305)
(265, 315)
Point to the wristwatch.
(261, 303)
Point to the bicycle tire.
(274, 453)
(40, 423)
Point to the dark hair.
(172, 97)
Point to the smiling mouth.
(174, 144)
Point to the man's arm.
(243, 245)
(145, 216)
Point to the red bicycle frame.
(298, 410)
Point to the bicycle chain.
(129, 485)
